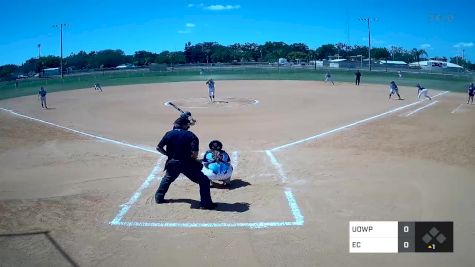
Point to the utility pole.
(368, 20)
(61, 29)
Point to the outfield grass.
(31, 86)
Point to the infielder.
(97, 86)
(393, 89)
(471, 92)
(42, 96)
(328, 78)
(211, 89)
(217, 164)
(422, 91)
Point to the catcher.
(217, 164)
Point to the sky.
(441, 27)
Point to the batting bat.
(176, 107)
(192, 120)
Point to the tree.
(144, 58)
(8, 72)
(325, 51)
(299, 47)
(108, 58)
(77, 61)
(251, 51)
(272, 51)
(32, 65)
(460, 61)
(178, 57)
(343, 50)
(295, 56)
(417, 53)
(221, 54)
(187, 52)
(379, 53)
(359, 50)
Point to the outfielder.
(393, 89)
(211, 89)
(422, 91)
(217, 164)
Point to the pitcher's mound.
(202, 102)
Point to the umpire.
(182, 151)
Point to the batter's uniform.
(422, 92)
(42, 94)
(180, 145)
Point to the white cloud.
(196, 5)
(190, 25)
(463, 44)
(184, 31)
(222, 7)
(426, 46)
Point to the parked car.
(125, 66)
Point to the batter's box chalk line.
(294, 208)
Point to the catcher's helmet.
(215, 145)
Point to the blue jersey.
(42, 92)
(210, 84)
(471, 90)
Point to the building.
(435, 65)
(51, 72)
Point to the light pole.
(39, 51)
(368, 20)
(61, 29)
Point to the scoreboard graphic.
(399, 237)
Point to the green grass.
(31, 87)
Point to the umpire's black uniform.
(180, 145)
